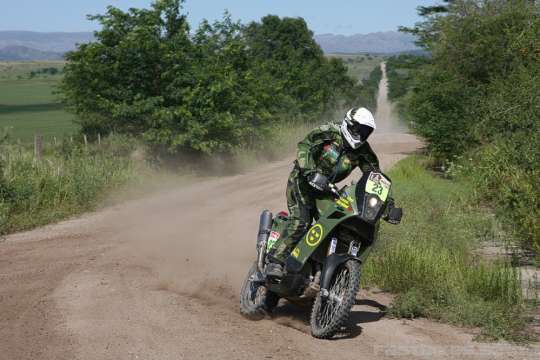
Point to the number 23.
(378, 189)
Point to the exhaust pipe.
(265, 226)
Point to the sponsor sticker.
(274, 236)
(314, 235)
(344, 203)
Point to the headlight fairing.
(372, 206)
(373, 201)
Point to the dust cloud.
(200, 239)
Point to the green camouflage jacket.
(320, 151)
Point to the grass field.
(28, 105)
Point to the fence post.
(85, 141)
(38, 147)
(99, 139)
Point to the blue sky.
(333, 16)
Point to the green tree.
(209, 92)
(286, 51)
(428, 31)
(476, 43)
(122, 81)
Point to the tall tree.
(428, 30)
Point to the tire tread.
(343, 315)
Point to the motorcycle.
(325, 264)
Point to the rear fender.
(331, 264)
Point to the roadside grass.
(428, 260)
(70, 179)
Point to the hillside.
(18, 53)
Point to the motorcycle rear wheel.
(330, 314)
(255, 299)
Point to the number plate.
(378, 185)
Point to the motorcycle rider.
(328, 154)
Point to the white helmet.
(357, 125)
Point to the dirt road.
(158, 279)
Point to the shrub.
(506, 173)
(478, 99)
(428, 259)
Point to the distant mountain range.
(387, 42)
(29, 45)
(59, 42)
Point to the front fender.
(330, 265)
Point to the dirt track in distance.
(158, 278)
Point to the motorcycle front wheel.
(329, 314)
(255, 299)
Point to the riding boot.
(274, 270)
(275, 266)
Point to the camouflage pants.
(301, 205)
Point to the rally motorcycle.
(325, 264)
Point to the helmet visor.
(360, 132)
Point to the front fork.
(333, 261)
